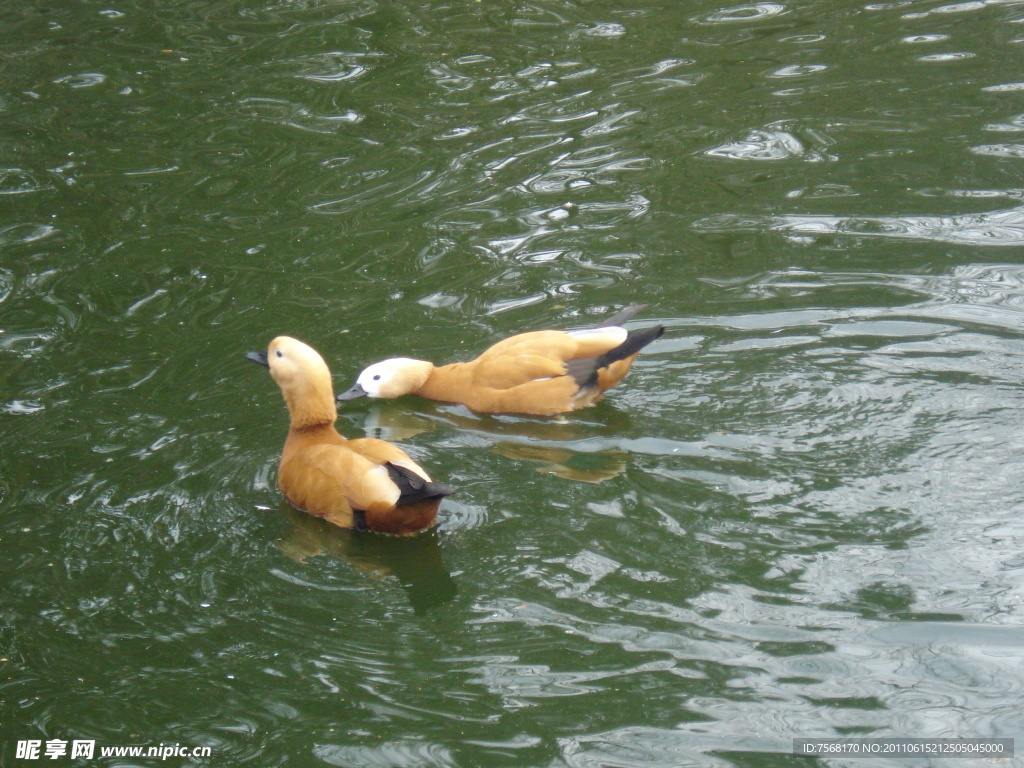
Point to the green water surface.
(800, 516)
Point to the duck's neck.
(448, 383)
(312, 408)
(411, 378)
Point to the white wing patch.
(614, 334)
(379, 483)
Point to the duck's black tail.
(584, 370)
(414, 488)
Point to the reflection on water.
(580, 467)
(417, 562)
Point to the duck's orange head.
(304, 379)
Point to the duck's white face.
(390, 378)
(387, 378)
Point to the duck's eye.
(376, 377)
(280, 353)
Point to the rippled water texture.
(799, 517)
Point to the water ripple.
(798, 70)
(82, 80)
(297, 115)
(15, 181)
(6, 284)
(636, 746)
(944, 57)
(1014, 125)
(743, 13)
(606, 30)
(333, 68)
(1004, 88)
(994, 228)
(583, 168)
(934, 38)
(777, 141)
(23, 234)
(411, 754)
(999, 150)
(964, 7)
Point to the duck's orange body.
(540, 373)
(364, 483)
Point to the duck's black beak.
(351, 394)
(258, 357)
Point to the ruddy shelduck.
(541, 373)
(364, 483)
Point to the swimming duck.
(541, 373)
(363, 484)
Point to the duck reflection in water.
(577, 466)
(520, 438)
(415, 561)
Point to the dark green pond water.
(801, 515)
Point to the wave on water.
(1003, 227)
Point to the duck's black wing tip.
(584, 370)
(414, 488)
